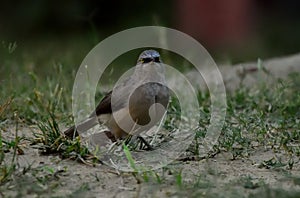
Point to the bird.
(135, 104)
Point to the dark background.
(233, 30)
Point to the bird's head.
(149, 61)
(149, 56)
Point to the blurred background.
(232, 30)
(43, 42)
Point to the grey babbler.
(135, 104)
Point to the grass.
(51, 141)
(7, 167)
(268, 119)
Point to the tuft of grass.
(268, 117)
(7, 168)
(273, 163)
(129, 157)
(249, 183)
(51, 141)
(178, 178)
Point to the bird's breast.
(143, 98)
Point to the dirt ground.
(217, 174)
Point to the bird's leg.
(110, 136)
(143, 142)
(128, 139)
(149, 147)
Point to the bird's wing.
(122, 92)
(104, 107)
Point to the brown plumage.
(147, 85)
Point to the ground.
(257, 154)
(219, 176)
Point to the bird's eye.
(147, 60)
(157, 60)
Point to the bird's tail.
(86, 125)
(71, 132)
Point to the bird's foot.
(145, 143)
